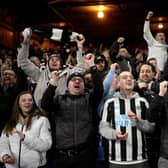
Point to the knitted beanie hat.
(75, 74)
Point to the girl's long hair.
(17, 112)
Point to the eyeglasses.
(8, 74)
(73, 79)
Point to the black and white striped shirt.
(115, 113)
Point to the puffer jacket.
(34, 146)
(74, 115)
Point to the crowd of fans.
(85, 107)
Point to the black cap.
(99, 58)
(75, 74)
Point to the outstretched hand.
(27, 32)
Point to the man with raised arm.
(157, 47)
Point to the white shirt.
(155, 49)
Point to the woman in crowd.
(26, 136)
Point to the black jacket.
(74, 115)
(159, 113)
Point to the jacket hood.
(122, 96)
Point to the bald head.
(126, 81)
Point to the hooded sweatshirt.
(42, 77)
(114, 118)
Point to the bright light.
(160, 26)
(100, 14)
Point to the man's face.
(9, 77)
(100, 65)
(54, 63)
(146, 73)
(124, 53)
(8, 61)
(76, 85)
(126, 81)
(160, 37)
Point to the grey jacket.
(42, 77)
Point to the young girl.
(26, 136)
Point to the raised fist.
(149, 15)
(27, 32)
